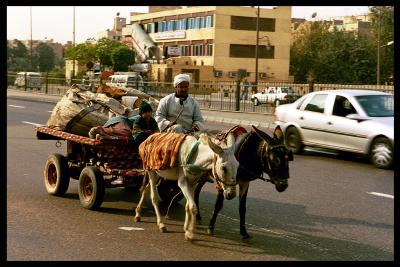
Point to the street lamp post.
(258, 38)
(31, 40)
(73, 45)
(378, 64)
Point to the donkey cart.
(96, 164)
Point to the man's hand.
(195, 128)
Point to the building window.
(183, 25)
(209, 21)
(149, 28)
(197, 23)
(249, 51)
(170, 25)
(209, 50)
(249, 24)
(202, 22)
(190, 23)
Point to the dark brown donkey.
(257, 152)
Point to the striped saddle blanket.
(160, 150)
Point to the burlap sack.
(80, 110)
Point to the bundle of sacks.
(79, 110)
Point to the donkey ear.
(230, 140)
(261, 134)
(214, 147)
(278, 134)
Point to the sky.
(56, 22)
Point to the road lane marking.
(50, 111)
(15, 106)
(32, 123)
(381, 195)
(131, 228)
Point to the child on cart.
(138, 127)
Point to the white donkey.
(209, 157)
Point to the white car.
(274, 95)
(358, 121)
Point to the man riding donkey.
(178, 112)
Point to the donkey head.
(275, 158)
(225, 165)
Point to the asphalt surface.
(334, 209)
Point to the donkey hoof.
(163, 228)
(210, 231)
(189, 237)
(246, 236)
(137, 219)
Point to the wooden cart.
(97, 164)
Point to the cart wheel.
(56, 179)
(91, 188)
(167, 190)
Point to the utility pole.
(31, 39)
(378, 63)
(257, 38)
(73, 45)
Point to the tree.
(46, 57)
(104, 48)
(83, 53)
(19, 50)
(324, 55)
(122, 57)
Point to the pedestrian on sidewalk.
(245, 90)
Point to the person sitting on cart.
(145, 124)
(179, 112)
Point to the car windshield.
(377, 105)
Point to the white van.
(126, 81)
(34, 80)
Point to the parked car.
(126, 81)
(274, 95)
(357, 121)
(32, 80)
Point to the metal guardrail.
(212, 95)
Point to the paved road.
(334, 209)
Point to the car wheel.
(381, 153)
(91, 188)
(293, 140)
(256, 102)
(56, 178)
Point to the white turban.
(181, 78)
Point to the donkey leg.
(197, 194)
(138, 209)
(243, 189)
(190, 208)
(192, 213)
(218, 206)
(155, 199)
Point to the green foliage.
(325, 56)
(83, 53)
(122, 57)
(104, 49)
(46, 57)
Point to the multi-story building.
(214, 42)
(115, 33)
